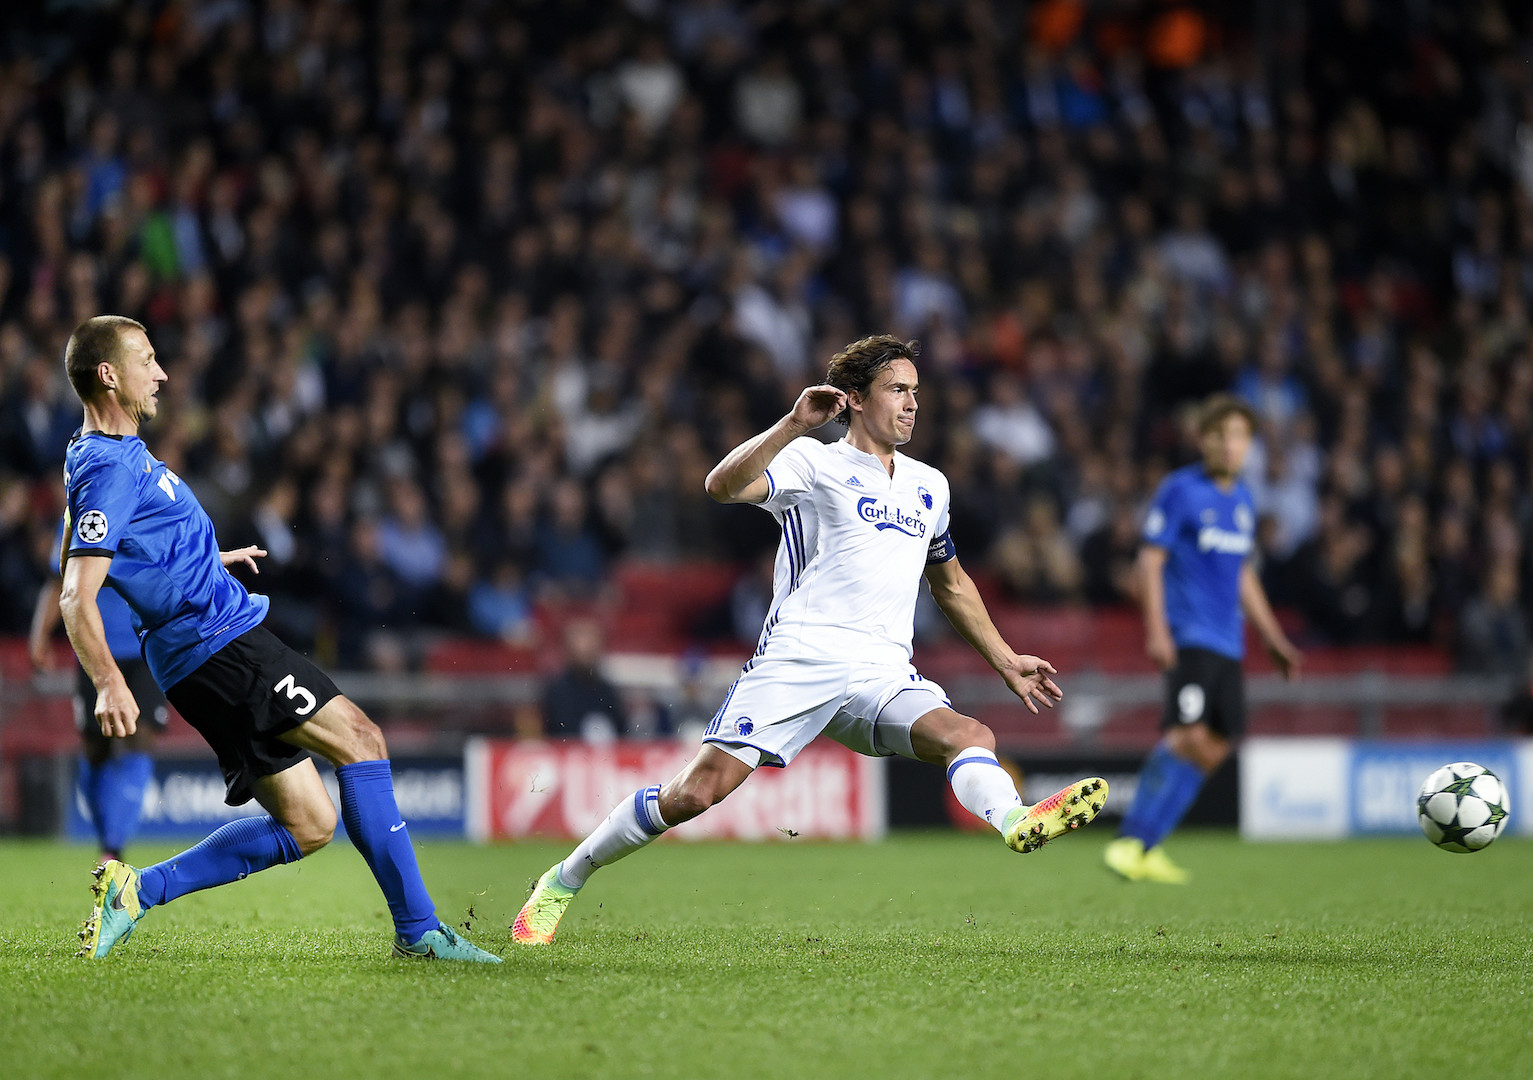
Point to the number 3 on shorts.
(290, 687)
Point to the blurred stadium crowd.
(460, 301)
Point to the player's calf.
(706, 781)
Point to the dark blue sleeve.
(102, 501)
(60, 535)
(1164, 519)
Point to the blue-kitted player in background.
(113, 773)
(1198, 583)
(132, 524)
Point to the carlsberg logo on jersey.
(889, 517)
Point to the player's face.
(139, 375)
(1225, 446)
(889, 407)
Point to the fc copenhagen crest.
(92, 527)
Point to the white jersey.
(855, 542)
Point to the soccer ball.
(1462, 807)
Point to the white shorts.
(776, 708)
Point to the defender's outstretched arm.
(1253, 601)
(116, 708)
(959, 599)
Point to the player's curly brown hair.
(1212, 413)
(856, 366)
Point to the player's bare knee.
(969, 732)
(370, 739)
(313, 826)
(1196, 743)
(685, 799)
(941, 736)
(361, 739)
(1212, 752)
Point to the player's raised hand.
(1029, 679)
(116, 709)
(246, 555)
(818, 405)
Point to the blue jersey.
(125, 504)
(1208, 534)
(116, 617)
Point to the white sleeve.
(791, 474)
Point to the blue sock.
(121, 785)
(375, 827)
(234, 851)
(1168, 786)
(88, 783)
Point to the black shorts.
(243, 698)
(1205, 688)
(151, 702)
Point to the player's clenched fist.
(818, 405)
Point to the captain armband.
(941, 549)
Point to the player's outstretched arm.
(959, 599)
(116, 709)
(738, 477)
(1253, 601)
(1158, 643)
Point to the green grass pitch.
(923, 956)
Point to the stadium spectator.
(1493, 634)
(596, 251)
(579, 702)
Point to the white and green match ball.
(1462, 807)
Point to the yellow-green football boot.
(539, 918)
(1159, 867)
(1125, 857)
(1028, 828)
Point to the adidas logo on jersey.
(853, 482)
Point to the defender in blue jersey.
(113, 773)
(1198, 587)
(132, 524)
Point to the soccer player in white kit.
(861, 524)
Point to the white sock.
(633, 823)
(982, 786)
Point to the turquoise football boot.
(116, 912)
(442, 944)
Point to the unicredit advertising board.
(565, 789)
